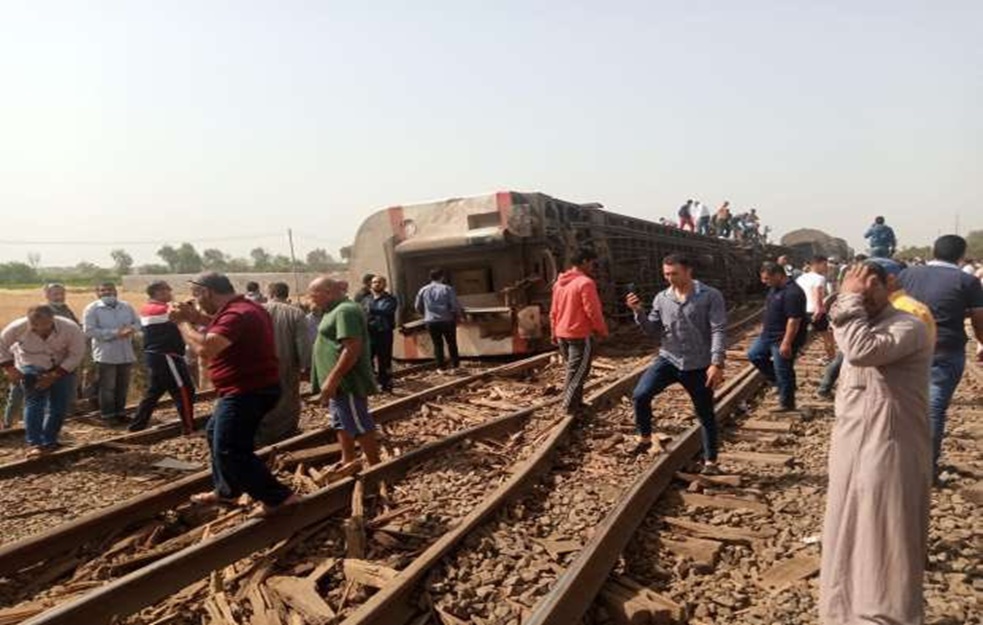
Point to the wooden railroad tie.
(630, 603)
(789, 572)
(775, 460)
(722, 501)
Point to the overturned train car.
(503, 251)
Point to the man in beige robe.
(875, 533)
(293, 350)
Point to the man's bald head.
(324, 291)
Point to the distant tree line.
(181, 259)
(974, 248)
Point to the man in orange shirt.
(576, 319)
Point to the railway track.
(399, 418)
(154, 581)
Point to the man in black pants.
(438, 304)
(167, 371)
(380, 308)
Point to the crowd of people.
(724, 223)
(893, 334)
(893, 339)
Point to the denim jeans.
(779, 371)
(577, 355)
(947, 370)
(662, 374)
(44, 409)
(231, 431)
(15, 405)
(831, 374)
(114, 384)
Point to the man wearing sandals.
(41, 352)
(342, 368)
(238, 345)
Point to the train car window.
(472, 281)
(477, 221)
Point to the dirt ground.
(14, 302)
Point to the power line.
(244, 237)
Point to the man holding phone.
(691, 320)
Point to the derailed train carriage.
(503, 251)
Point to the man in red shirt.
(239, 347)
(575, 318)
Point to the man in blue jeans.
(782, 335)
(239, 346)
(40, 352)
(691, 319)
(952, 295)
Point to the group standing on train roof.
(895, 353)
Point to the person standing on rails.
(875, 533)
(293, 353)
(690, 318)
(163, 351)
(438, 304)
(782, 335)
(238, 344)
(813, 284)
(576, 319)
(380, 308)
(341, 369)
(39, 353)
(882, 240)
(54, 293)
(952, 295)
(110, 324)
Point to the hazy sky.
(147, 121)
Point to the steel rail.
(158, 580)
(576, 588)
(101, 523)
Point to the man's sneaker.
(782, 409)
(710, 468)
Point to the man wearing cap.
(239, 346)
(39, 353)
(167, 370)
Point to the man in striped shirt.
(167, 370)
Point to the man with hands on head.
(341, 368)
(691, 320)
(875, 533)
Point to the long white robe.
(875, 533)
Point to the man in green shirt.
(341, 368)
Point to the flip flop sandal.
(213, 499)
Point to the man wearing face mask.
(238, 344)
(110, 324)
(39, 353)
(875, 533)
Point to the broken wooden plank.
(719, 480)
(368, 573)
(720, 532)
(722, 501)
(660, 603)
(702, 552)
(789, 572)
(301, 595)
(778, 460)
(768, 426)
